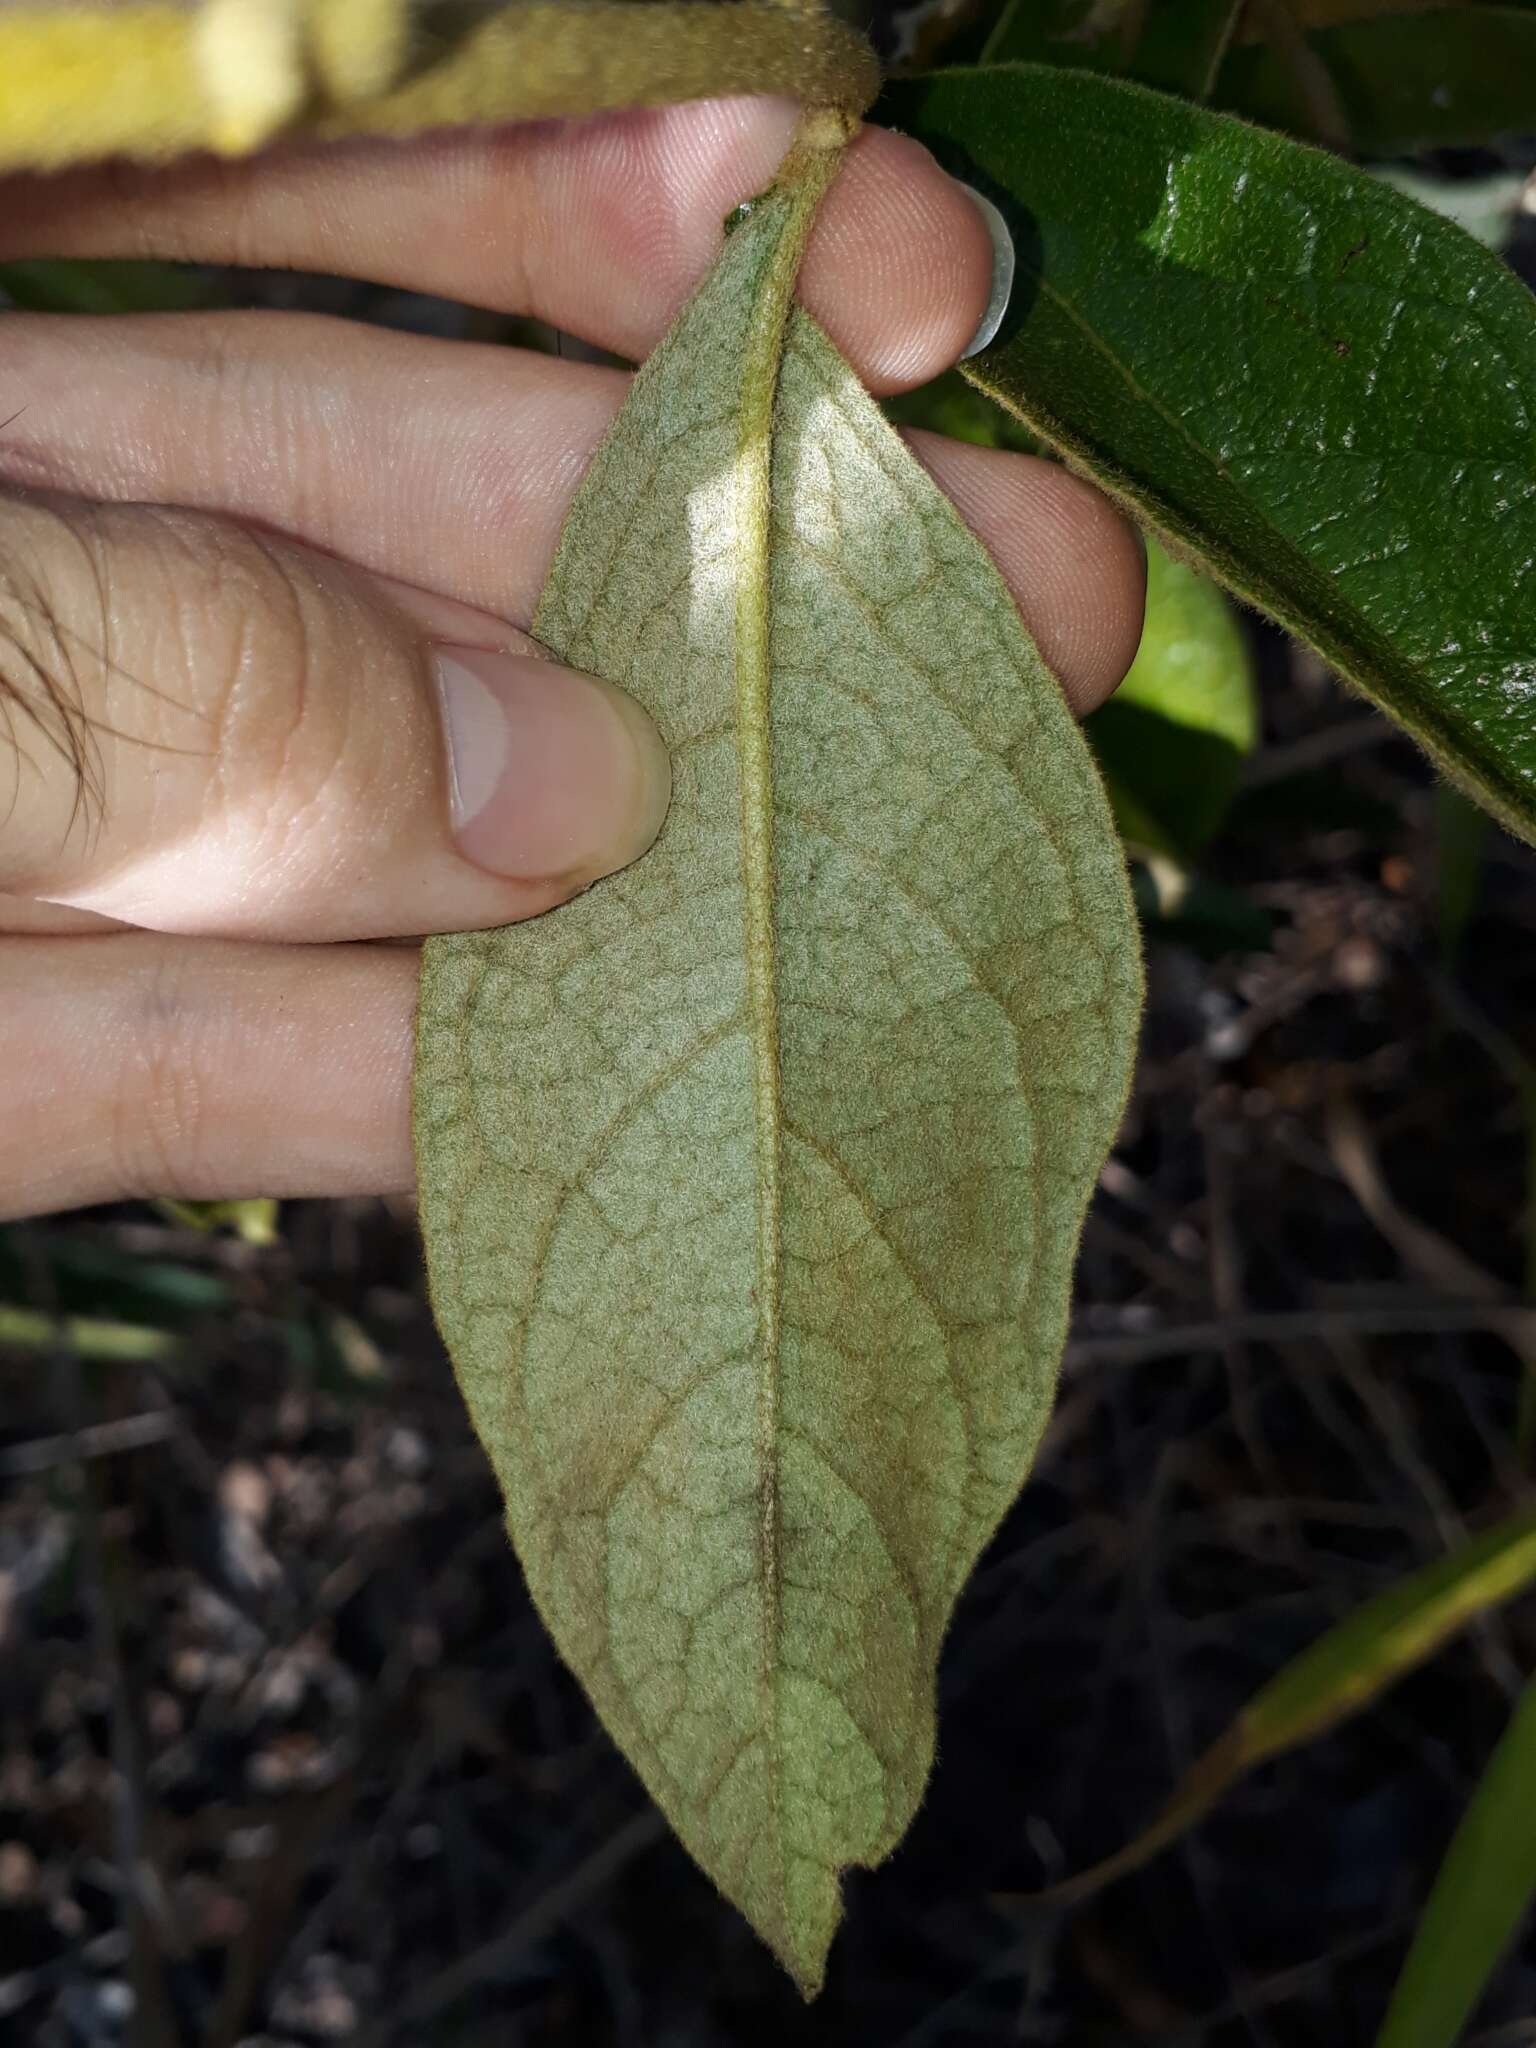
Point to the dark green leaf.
(1323, 391)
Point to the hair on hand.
(41, 696)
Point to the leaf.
(1484, 1890)
(752, 1179)
(87, 286)
(252, 1218)
(152, 79)
(1344, 1671)
(92, 1280)
(89, 1337)
(1404, 82)
(1173, 739)
(1325, 393)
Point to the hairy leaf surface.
(92, 79)
(752, 1179)
(1324, 392)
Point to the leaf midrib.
(804, 176)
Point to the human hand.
(265, 580)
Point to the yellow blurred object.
(155, 79)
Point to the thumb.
(219, 731)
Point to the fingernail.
(1003, 264)
(552, 774)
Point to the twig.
(144, 1916)
(1309, 74)
(1521, 1076)
(1316, 750)
(1422, 1250)
(96, 1440)
(1516, 1325)
(539, 1921)
(304, 1828)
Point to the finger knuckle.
(161, 1125)
(249, 618)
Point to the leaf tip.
(803, 1951)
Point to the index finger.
(601, 227)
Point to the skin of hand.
(268, 706)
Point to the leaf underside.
(752, 1179)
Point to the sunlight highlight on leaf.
(1322, 391)
(752, 1180)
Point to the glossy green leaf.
(1404, 82)
(1173, 739)
(1485, 1888)
(752, 1179)
(1344, 1671)
(1325, 393)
